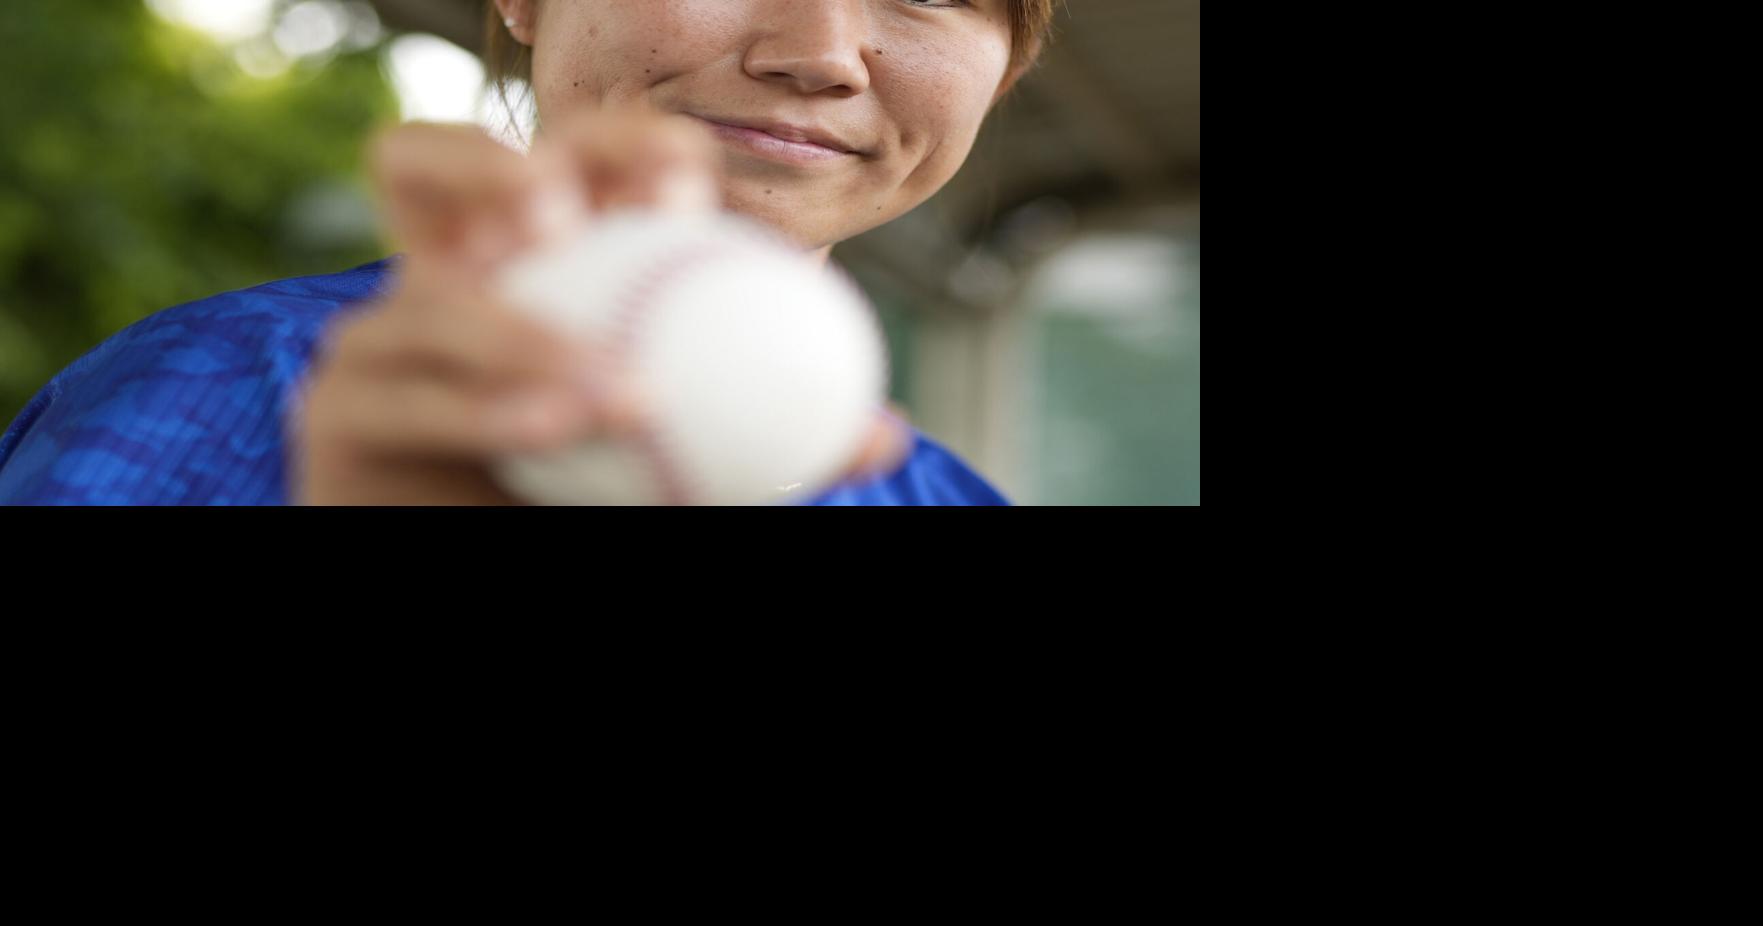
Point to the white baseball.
(762, 371)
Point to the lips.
(781, 141)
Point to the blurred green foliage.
(140, 168)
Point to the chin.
(780, 211)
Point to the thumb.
(885, 448)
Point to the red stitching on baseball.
(635, 305)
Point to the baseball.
(761, 370)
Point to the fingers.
(456, 193)
(885, 448)
(427, 415)
(463, 378)
(465, 333)
(631, 158)
(444, 368)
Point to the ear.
(1010, 78)
(1022, 66)
(519, 15)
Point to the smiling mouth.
(772, 147)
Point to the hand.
(409, 399)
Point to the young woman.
(395, 383)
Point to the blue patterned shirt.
(188, 407)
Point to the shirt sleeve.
(175, 410)
(932, 475)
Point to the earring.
(510, 22)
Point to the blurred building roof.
(1110, 118)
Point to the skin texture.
(908, 84)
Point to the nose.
(815, 47)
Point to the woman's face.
(835, 115)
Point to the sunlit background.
(1043, 312)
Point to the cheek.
(599, 50)
(567, 55)
(938, 96)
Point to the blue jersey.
(189, 406)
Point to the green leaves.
(141, 168)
